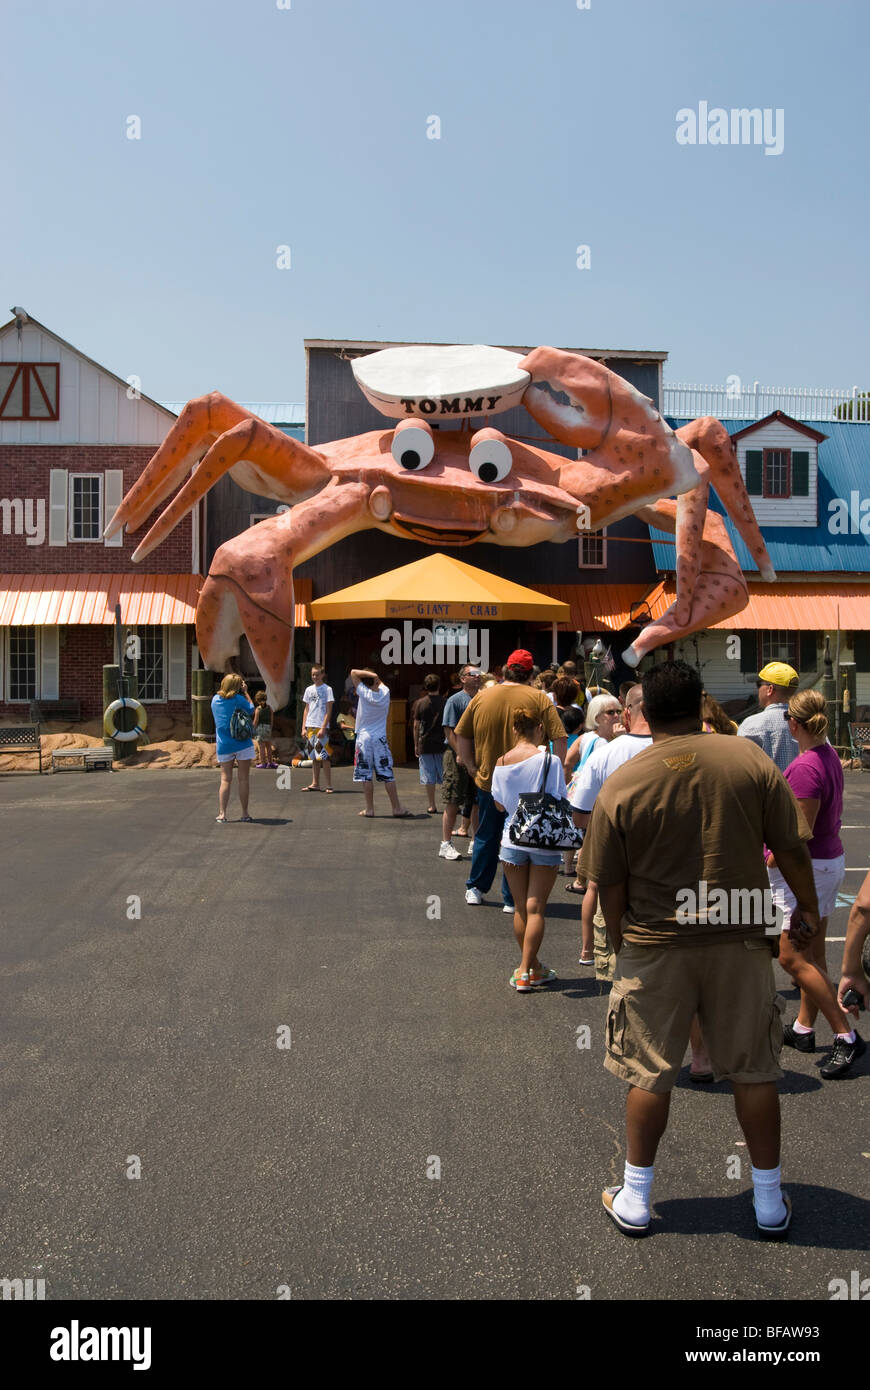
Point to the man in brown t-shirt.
(675, 846)
(483, 735)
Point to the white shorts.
(828, 875)
(372, 757)
(242, 756)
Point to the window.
(151, 666)
(778, 646)
(777, 472)
(85, 506)
(592, 550)
(29, 390)
(22, 664)
(254, 517)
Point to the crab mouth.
(435, 533)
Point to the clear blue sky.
(307, 127)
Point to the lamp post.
(829, 686)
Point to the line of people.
(667, 809)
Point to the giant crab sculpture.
(450, 488)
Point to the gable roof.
(783, 419)
(4, 328)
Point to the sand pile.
(165, 751)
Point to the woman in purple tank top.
(816, 778)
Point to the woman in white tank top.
(530, 873)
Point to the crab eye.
(413, 445)
(490, 457)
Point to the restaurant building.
(73, 438)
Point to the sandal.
(575, 888)
(779, 1232)
(250, 819)
(627, 1227)
(221, 820)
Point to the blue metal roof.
(273, 412)
(844, 468)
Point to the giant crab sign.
(450, 488)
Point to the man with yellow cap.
(776, 684)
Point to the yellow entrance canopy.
(440, 587)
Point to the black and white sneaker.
(803, 1042)
(843, 1054)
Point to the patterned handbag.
(544, 821)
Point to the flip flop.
(779, 1232)
(221, 820)
(403, 815)
(328, 791)
(572, 888)
(250, 819)
(627, 1227)
(309, 788)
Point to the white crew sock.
(633, 1202)
(801, 1027)
(769, 1206)
(847, 1037)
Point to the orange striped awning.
(785, 605)
(49, 600)
(61, 600)
(604, 607)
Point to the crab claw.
(631, 456)
(217, 434)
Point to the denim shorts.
(544, 858)
(431, 771)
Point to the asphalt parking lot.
(303, 1042)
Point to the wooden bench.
(21, 738)
(88, 759)
(69, 710)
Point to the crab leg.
(720, 590)
(249, 588)
(709, 438)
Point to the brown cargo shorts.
(457, 788)
(658, 990)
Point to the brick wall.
(84, 651)
(24, 472)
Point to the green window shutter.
(748, 651)
(800, 473)
(808, 659)
(754, 472)
(861, 648)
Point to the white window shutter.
(49, 663)
(58, 494)
(114, 491)
(177, 663)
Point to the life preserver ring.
(125, 735)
